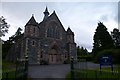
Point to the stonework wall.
(47, 41)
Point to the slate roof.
(32, 21)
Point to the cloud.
(119, 15)
(104, 18)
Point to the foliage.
(115, 53)
(116, 37)
(66, 61)
(81, 51)
(16, 36)
(12, 40)
(102, 39)
(7, 66)
(87, 57)
(94, 74)
(3, 26)
(43, 62)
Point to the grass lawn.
(8, 66)
(105, 73)
(8, 69)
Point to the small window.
(41, 56)
(33, 42)
(34, 30)
(65, 56)
(52, 57)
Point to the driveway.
(48, 71)
(56, 71)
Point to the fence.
(20, 73)
(80, 71)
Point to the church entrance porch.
(55, 59)
(54, 54)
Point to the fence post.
(96, 74)
(6, 75)
(16, 69)
(72, 68)
(26, 67)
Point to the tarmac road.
(55, 71)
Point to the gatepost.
(72, 68)
(26, 67)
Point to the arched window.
(49, 32)
(33, 43)
(53, 31)
(34, 30)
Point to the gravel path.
(49, 71)
(55, 71)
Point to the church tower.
(46, 42)
(46, 14)
(31, 36)
(31, 28)
(71, 44)
(70, 36)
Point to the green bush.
(115, 53)
(87, 57)
(43, 62)
(66, 61)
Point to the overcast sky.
(81, 17)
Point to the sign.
(106, 60)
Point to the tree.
(3, 26)
(81, 51)
(12, 40)
(17, 35)
(78, 51)
(102, 39)
(116, 37)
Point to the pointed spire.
(69, 31)
(46, 13)
(46, 10)
(33, 15)
(54, 11)
(32, 21)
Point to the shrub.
(66, 61)
(43, 62)
(87, 57)
(115, 53)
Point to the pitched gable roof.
(69, 31)
(32, 21)
(53, 17)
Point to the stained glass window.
(53, 31)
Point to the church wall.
(49, 32)
(73, 50)
(32, 30)
(36, 41)
(33, 46)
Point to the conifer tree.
(102, 39)
(116, 37)
(3, 26)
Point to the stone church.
(47, 41)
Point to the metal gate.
(78, 66)
(80, 71)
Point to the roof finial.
(68, 26)
(32, 14)
(46, 13)
(46, 10)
